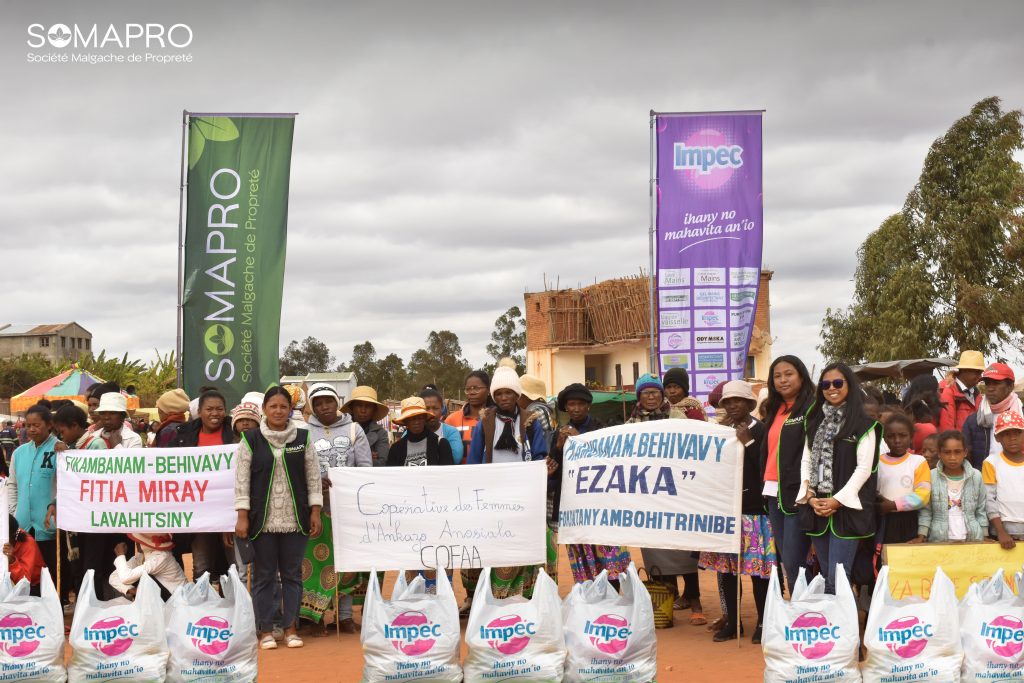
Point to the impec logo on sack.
(20, 635)
(412, 633)
(812, 635)
(906, 637)
(508, 634)
(111, 636)
(609, 633)
(211, 635)
(1004, 635)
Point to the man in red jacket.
(960, 395)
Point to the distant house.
(343, 382)
(601, 334)
(58, 342)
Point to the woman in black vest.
(790, 399)
(278, 496)
(838, 472)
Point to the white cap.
(323, 389)
(113, 402)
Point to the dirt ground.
(685, 653)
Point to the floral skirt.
(587, 561)
(757, 551)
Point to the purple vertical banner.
(709, 236)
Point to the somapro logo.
(219, 339)
(19, 635)
(412, 633)
(211, 635)
(811, 635)
(906, 637)
(111, 636)
(1004, 635)
(125, 36)
(508, 634)
(609, 633)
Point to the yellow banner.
(912, 565)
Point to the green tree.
(392, 378)
(945, 274)
(508, 340)
(440, 363)
(312, 355)
(19, 373)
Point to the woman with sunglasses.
(838, 472)
(790, 399)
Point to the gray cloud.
(449, 156)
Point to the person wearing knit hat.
(651, 405)
(156, 559)
(587, 561)
(503, 435)
(757, 557)
(247, 414)
(1003, 483)
(677, 391)
(171, 408)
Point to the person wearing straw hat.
(367, 412)
(419, 446)
(959, 394)
(533, 403)
(757, 558)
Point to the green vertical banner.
(235, 237)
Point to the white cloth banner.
(169, 490)
(663, 484)
(426, 517)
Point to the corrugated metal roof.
(13, 329)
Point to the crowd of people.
(833, 470)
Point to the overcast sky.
(449, 157)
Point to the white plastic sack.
(412, 637)
(116, 639)
(812, 637)
(913, 636)
(211, 638)
(992, 632)
(31, 632)
(515, 639)
(610, 637)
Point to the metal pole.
(650, 238)
(181, 248)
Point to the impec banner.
(236, 229)
(708, 243)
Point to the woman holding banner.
(502, 436)
(790, 399)
(838, 487)
(586, 561)
(278, 498)
(667, 565)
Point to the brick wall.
(763, 316)
(536, 314)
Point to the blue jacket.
(979, 440)
(451, 435)
(33, 486)
(533, 434)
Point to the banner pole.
(650, 239)
(181, 249)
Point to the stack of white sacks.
(596, 634)
(815, 638)
(196, 636)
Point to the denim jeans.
(831, 551)
(278, 553)
(791, 542)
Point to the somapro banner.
(236, 230)
(709, 230)
(662, 484)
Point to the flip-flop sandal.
(267, 642)
(681, 604)
(293, 641)
(698, 620)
